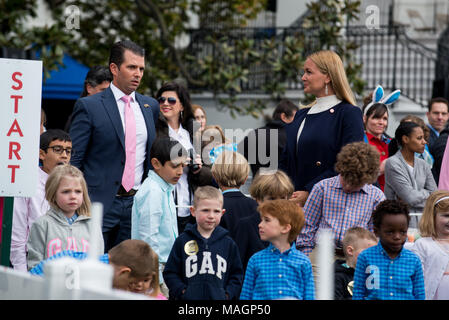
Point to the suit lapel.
(111, 107)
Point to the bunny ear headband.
(378, 97)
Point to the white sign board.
(20, 101)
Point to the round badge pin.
(191, 248)
(332, 110)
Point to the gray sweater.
(51, 233)
(414, 189)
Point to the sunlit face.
(438, 115)
(51, 159)
(442, 225)
(171, 111)
(208, 213)
(69, 195)
(270, 228)
(314, 81)
(361, 245)
(127, 77)
(140, 285)
(393, 233)
(376, 126)
(171, 171)
(415, 142)
(200, 117)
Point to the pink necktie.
(130, 145)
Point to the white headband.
(378, 97)
(441, 199)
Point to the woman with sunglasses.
(176, 121)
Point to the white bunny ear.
(392, 97)
(378, 94)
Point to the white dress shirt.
(141, 131)
(26, 211)
(182, 187)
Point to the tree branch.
(149, 7)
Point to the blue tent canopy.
(66, 83)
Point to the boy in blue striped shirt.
(388, 271)
(279, 271)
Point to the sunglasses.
(60, 150)
(170, 100)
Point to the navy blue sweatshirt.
(208, 269)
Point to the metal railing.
(389, 57)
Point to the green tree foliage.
(222, 57)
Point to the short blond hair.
(287, 212)
(354, 234)
(207, 193)
(277, 185)
(230, 169)
(52, 185)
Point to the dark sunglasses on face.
(170, 100)
(60, 149)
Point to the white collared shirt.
(141, 131)
(322, 104)
(182, 187)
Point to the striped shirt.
(39, 268)
(271, 275)
(378, 277)
(328, 206)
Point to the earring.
(181, 115)
(326, 92)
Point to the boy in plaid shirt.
(279, 271)
(388, 271)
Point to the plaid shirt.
(274, 275)
(378, 277)
(328, 206)
(39, 268)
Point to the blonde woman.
(320, 130)
(67, 224)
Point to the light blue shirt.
(378, 277)
(272, 275)
(153, 217)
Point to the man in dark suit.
(112, 133)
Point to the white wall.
(288, 11)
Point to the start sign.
(20, 100)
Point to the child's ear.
(350, 250)
(124, 271)
(286, 228)
(192, 211)
(155, 163)
(376, 231)
(41, 154)
(223, 212)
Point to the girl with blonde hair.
(320, 130)
(433, 247)
(67, 224)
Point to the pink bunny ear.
(392, 97)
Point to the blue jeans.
(117, 222)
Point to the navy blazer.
(237, 206)
(323, 136)
(98, 141)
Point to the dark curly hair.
(389, 207)
(358, 163)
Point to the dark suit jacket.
(98, 140)
(323, 136)
(237, 206)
